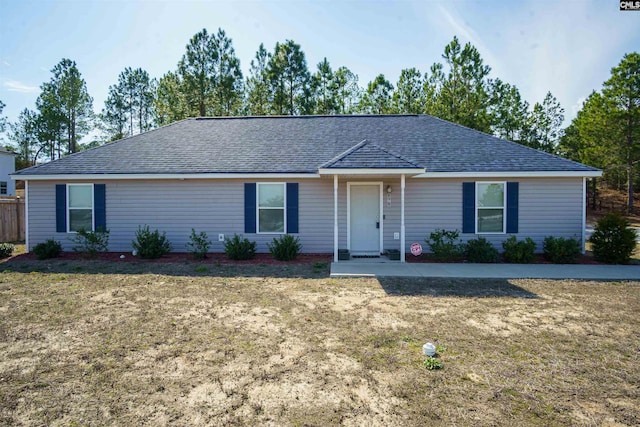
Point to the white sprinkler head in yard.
(121, 256)
(429, 349)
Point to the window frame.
(283, 208)
(504, 207)
(4, 188)
(69, 208)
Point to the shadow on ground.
(444, 287)
(188, 268)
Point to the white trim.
(151, 176)
(26, 215)
(402, 228)
(370, 171)
(283, 208)
(93, 216)
(416, 173)
(512, 174)
(335, 218)
(381, 212)
(504, 207)
(584, 215)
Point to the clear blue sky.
(567, 47)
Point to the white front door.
(364, 221)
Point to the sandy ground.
(238, 347)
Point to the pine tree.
(377, 97)
(289, 80)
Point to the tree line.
(208, 81)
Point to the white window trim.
(283, 209)
(69, 208)
(504, 207)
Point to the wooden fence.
(11, 220)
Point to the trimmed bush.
(559, 250)
(198, 244)
(613, 241)
(285, 248)
(481, 250)
(151, 244)
(239, 248)
(445, 244)
(519, 252)
(47, 249)
(6, 250)
(89, 243)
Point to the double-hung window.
(490, 207)
(3, 187)
(80, 207)
(271, 207)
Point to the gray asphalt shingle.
(301, 144)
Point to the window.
(490, 206)
(3, 187)
(271, 208)
(80, 207)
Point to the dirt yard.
(189, 344)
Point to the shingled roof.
(303, 144)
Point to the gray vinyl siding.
(213, 206)
(546, 207)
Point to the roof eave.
(160, 176)
(513, 174)
(371, 171)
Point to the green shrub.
(239, 248)
(90, 243)
(198, 244)
(613, 241)
(151, 244)
(47, 249)
(285, 248)
(519, 252)
(432, 363)
(446, 244)
(481, 250)
(6, 250)
(560, 250)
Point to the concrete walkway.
(492, 271)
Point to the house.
(7, 167)
(363, 183)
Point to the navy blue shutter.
(292, 207)
(249, 207)
(61, 208)
(512, 207)
(99, 207)
(468, 207)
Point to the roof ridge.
(344, 154)
(399, 156)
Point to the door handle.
(378, 224)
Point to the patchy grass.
(96, 343)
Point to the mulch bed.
(539, 259)
(212, 258)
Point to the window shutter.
(61, 208)
(512, 207)
(99, 207)
(292, 207)
(468, 207)
(249, 207)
